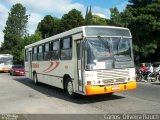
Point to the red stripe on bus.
(51, 64)
(57, 64)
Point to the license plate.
(115, 88)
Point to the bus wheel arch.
(66, 77)
(35, 78)
(68, 86)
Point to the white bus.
(87, 60)
(5, 62)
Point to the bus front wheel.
(70, 90)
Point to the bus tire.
(70, 90)
(110, 94)
(35, 78)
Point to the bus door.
(79, 65)
(30, 64)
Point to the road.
(19, 95)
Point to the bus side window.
(78, 51)
(46, 53)
(55, 50)
(26, 55)
(34, 54)
(66, 49)
(40, 53)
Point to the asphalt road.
(149, 91)
(19, 95)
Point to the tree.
(145, 25)
(48, 26)
(15, 26)
(142, 18)
(14, 32)
(120, 18)
(71, 20)
(97, 20)
(115, 18)
(32, 38)
(18, 50)
(88, 17)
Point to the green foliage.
(48, 26)
(115, 18)
(88, 17)
(32, 38)
(15, 26)
(18, 51)
(71, 20)
(14, 31)
(94, 19)
(145, 25)
(142, 18)
(98, 20)
(149, 48)
(15, 35)
(121, 19)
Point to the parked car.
(17, 70)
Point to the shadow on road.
(51, 91)
(155, 83)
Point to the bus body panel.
(110, 81)
(93, 90)
(52, 72)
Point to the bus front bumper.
(93, 90)
(5, 70)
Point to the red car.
(17, 70)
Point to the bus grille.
(112, 76)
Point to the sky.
(37, 9)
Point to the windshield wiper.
(118, 45)
(107, 45)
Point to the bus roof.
(70, 32)
(6, 55)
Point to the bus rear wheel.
(35, 79)
(70, 90)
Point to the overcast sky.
(37, 9)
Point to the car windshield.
(18, 67)
(109, 52)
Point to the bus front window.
(99, 50)
(122, 49)
(122, 52)
(108, 53)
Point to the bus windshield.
(7, 60)
(108, 52)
